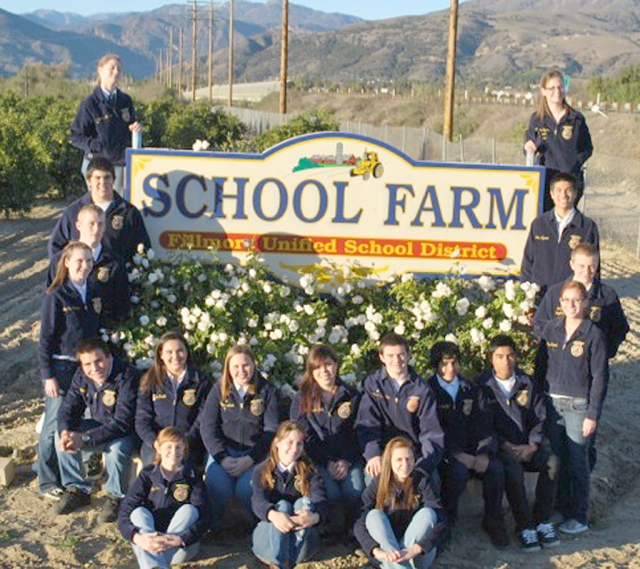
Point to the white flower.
(526, 305)
(400, 328)
(294, 326)
(407, 277)
(508, 310)
(334, 337)
(151, 254)
(145, 263)
(451, 338)
(357, 299)
(462, 306)
(487, 323)
(137, 259)
(505, 326)
(477, 336)
(228, 268)
(172, 298)
(253, 273)
(305, 280)
(266, 287)
(252, 323)
(355, 350)
(202, 278)
(285, 291)
(308, 309)
(135, 299)
(442, 291)
(161, 321)
(481, 312)
(308, 290)
(510, 290)
(144, 320)
(486, 283)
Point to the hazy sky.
(367, 9)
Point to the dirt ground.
(31, 537)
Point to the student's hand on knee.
(305, 519)
(411, 552)
(282, 522)
(242, 464)
(229, 464)
(481, 463)
(527, 451)
(388, 556)
(338, 469)
(51, 387)
(151, 542)
(171, 540)
(373, 467)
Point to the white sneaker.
(573, 527)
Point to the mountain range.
(497, 39)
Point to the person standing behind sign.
(558, 135)
(105, 120)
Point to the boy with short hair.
(519, 413)
(470, 442)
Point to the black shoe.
(497, 534)
(529, 540)
(547, 534)
(109, 511)
(93, 466)
(72, 499)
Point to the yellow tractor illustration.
(367, 165)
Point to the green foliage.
(316, 120)
(622, 87)
(198, 121)
(218, 306)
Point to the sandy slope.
(30, 536)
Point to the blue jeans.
(182, 520)
(285, 549)
(349, 489)
(566, 415)
(118, 454)
(380, 529)
(48, 452)
(222, 487)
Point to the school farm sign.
(345, 198)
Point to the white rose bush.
(216, 306)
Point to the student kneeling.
(399, 526)
(107, 387)
(164, 513)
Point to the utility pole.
(169, 67)
(211, 52)
(231, 11)
(180, 61)
(450, 81)
(284, 56)
(194, 55)
(170, 57)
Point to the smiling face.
(174, 356)
(402, 463)
(503, 361)
(101, 186)
(553, 90)
(79, 265)
(573, 303)
(109, 73)
(563, 195)
(396, 361)
(584, 268)
(96, 365)
(325, 374)
(290, 447)
(90, 226)
(171, 453)
(448, 369)
(241, 368)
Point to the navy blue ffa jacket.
(565, 146)
(244, 424)
(400, 518)
(123, 232)
(110, 283)
(287, 487)
(65, 321)
(159, 407)
(163, 498)
(546, 261)
(578, 367)
(519, 417)
(465, 421)
(101, 128)
(411, 412)
(330, 429)
(604, 309)
(112, 405)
